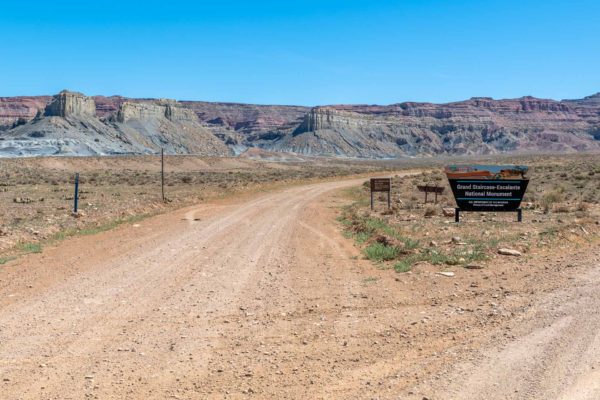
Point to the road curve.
(262, 297)
(205, 302)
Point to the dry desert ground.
(273, 279)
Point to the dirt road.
(259, 297)
(217, 299)
(554, 352)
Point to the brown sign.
(381, 184)
(431, 189)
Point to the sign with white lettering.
(381, 185)
(488, 187)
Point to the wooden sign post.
(381, 185)
(431, 189)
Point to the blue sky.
(302, 52)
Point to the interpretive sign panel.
(487, 187)
(474, 195)
(381, 185)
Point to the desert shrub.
(410, 244)
(31, 247)
(362, 237)
(561, 209)
(380, 252)
(403, 266)
(430, 211)
(4, 260)
(549, 199)
(411, 203)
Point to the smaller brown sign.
(381, 184)
(430, 189)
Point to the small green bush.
(31, 247)
(380, 252)
(362, 237)
(403, 266)
(410, 244)
(4, 260)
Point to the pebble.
(448, 212)
(509, 252)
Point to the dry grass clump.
(430, 211)
(549, 200)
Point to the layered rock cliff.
(18, 110)
(70, 104)
(69, 125)
(248, 125)
(166, 124)
(169, 109)
(475, 126)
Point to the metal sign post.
(76, 194)
(381, 185)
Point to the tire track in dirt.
(263, 298)
(145, 321)
(555, 353)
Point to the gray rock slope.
(477, 126)
(69, 126)
(71, 123)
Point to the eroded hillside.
(35, 125)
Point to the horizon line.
(596, 94)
